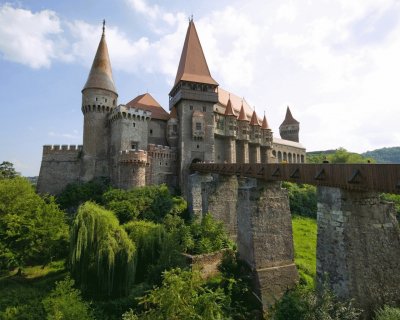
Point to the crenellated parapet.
(51, 149)
(138, 157)
(162, 152)
(123, 112)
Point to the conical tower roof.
(100, 76)
(229, 109)
(289, 120)
(254, 119)
(193, 65)
(265, 123)
(242, 115)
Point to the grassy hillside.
(305, 244)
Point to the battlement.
(122, 112)
(158, 151)
(50, 149)
(134, 156)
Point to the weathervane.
(191, 18)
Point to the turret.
(230, 120)
(99, 98)
(290, 127)
(242, 147)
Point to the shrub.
(388, 313)
(302, 199)
(65, 302)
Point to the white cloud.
(30, 38)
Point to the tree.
(101, 252)
(32, 229)
(183, 295)
(7, 170)
(65, 302)
(151, 203)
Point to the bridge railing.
(374, 177)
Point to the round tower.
(99, 98)
(172, 128)
(290, 127)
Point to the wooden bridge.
(363, 177)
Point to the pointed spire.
(289, 118)
(265, 125)
(242, 114)
(229, 109)
(254, 119)
(193, 65)
(100, 76)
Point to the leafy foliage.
(183, 295)
(77, 193)
(101, 252)
(302, 199)
(151, 203)
(7, 170)
(395, 198)
(388, 313)
(307, 304)
(65, 302)
(32, 229)
(208, 235)
(148, 237)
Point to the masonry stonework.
(358, 249)
(265, 238)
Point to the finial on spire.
(104, 25)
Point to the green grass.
(305, 245)
(21, 296)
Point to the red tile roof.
(193, 65)
(242, 115)
(289, 118)
(228, 109)
(254, 119)
(148, 103)
(265, 123)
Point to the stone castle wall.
(60, 166)
(163, 165)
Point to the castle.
(139, 143)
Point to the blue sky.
(334, 62)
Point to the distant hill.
(384, 155)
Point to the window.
(198, 125)
(198, 146)
(174, 128)
(151, 131)
(134, 145)
(96, 98)
(105, 100)
(204, 108)
(134, 125)
(191, 107)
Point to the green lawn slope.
(305, 245)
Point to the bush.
(65, 302)
(388, 313)
(303, 303)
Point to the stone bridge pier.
(256, 214)
(265, 238)
(358, 247)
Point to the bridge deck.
(374, 177)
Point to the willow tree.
(102, 255)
